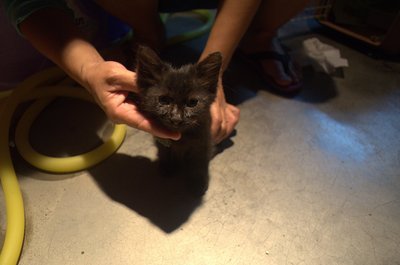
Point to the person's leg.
(261, 36)
(142, 17)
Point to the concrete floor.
(310, 180)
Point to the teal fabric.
(18, 10)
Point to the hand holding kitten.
(110, 83)
(224, 116)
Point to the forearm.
(52, 32)
(232, 20)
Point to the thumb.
(125, 80)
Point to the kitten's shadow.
(136, 183)
(225, 144)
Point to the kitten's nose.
(176, 120)
(176, 117)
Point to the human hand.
(224, 116)
(110, 83)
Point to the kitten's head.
(178, 98)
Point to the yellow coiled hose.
(43, 88)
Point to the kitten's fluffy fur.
(179, 99)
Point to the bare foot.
(274, 69)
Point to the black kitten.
(179, 99)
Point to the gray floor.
(310, 180)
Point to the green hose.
(43, 87)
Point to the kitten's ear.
(208, 71)
(149, 67)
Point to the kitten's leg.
(167, 163)
(196, 172)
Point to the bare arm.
(53, 33)
(232, 21)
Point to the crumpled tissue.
(321, 56)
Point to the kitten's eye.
(165, 100)
(192, 102)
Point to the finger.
(218, 124)
(221, 131)
(234, 110)
(146, 125)
(231, 118)
(216, 120)
(126, 80)
(155, 130)
(216, 132)
(221, 135)
(230, 126)
(233, 115)
(129, 115)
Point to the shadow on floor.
(242, 83)
(136, 183)
(131, 181)
(318, 87)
